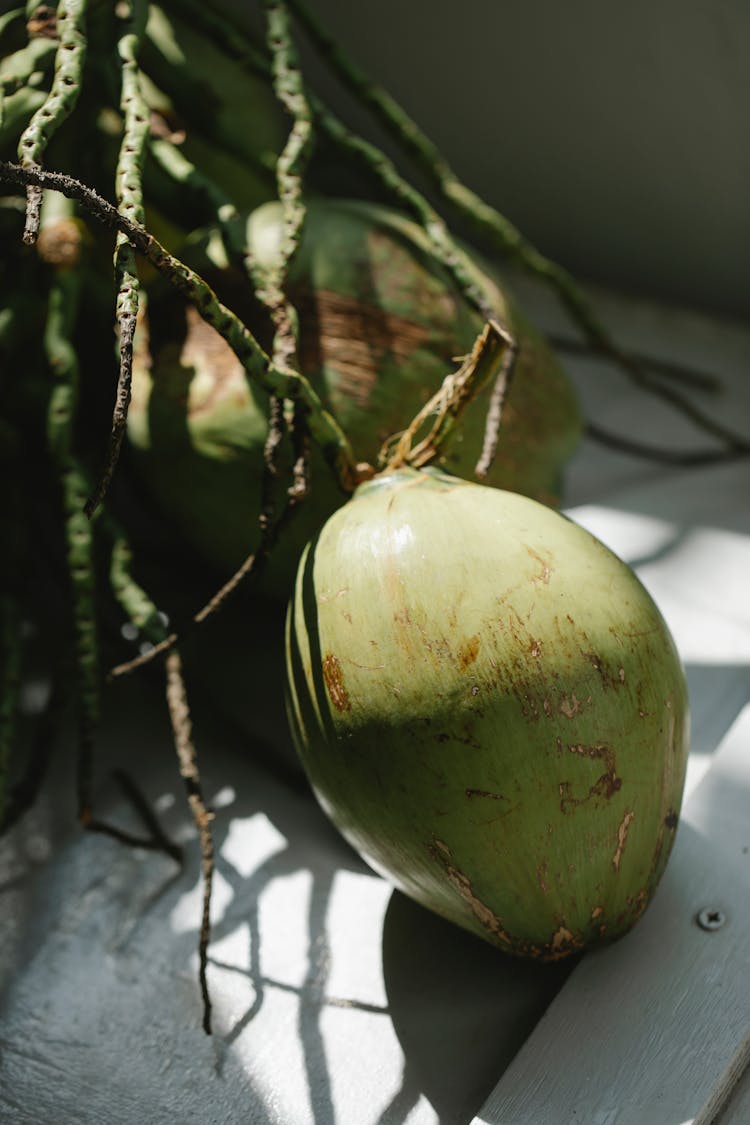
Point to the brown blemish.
(535, 649)
(622, 835)
(367, 667)
(605, 786)
(467, 652)
(529, 705)
(332, 597)
(570, 706)
(485, 793)
(671, 819)
(334, 681)
(561, 944)
(545, 569)
(541, 876)
(597, 913)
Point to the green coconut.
(381, 324)
(490, 708)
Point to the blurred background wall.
(614, 134)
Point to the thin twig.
(159, 841)
(495, 409)
(300, 486)
(664, 368)
(686, 458)
(179, 713)
(271, 452)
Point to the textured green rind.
(491, 709)
(364, 275)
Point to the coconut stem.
(289, 88)
(129, 188)
(59, 103)
(63, 363)
(271, 282)
(458, 389)
(132, 598)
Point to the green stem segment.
(61, 100)
(132, 598)
(61, 355)
(292, 161)
(271, 282)
(129, 188)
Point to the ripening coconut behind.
(381, 324)
(491, 709)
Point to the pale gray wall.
(615, 134)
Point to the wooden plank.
(655, 1030)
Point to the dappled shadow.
(460, 1007)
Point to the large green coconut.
(381, 324)
(491, 709)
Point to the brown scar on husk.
(605, 786)
(468, 651)
(570, 705)
(485, 793)
(334, 681)
(561, 944)
(353, 338)
(564, 942)
(545, 571)
(622, 835)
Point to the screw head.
(711, 918)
